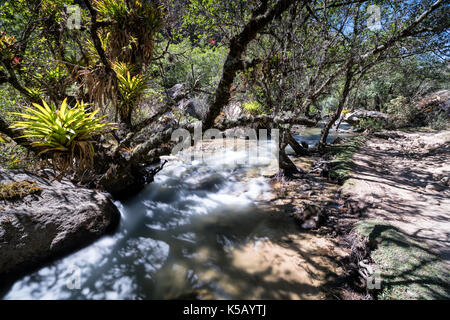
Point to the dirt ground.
(403, 178)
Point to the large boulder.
(353, 118)
(195, 108)
(176, 92)
(56, 218)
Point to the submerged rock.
(61, 217)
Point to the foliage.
(14, 156)
(126, 53)
(252, 107)
(64, 133)
(6, 47)
(197, 66)
(216, 18)
(371, 125)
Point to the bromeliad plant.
(134, 24)
(131, 89)
(65, 134)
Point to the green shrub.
(437, 120)
(65, 134)
(372, 125)
(402, 111)
(252, 107)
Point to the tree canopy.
(284, 62)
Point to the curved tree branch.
(238, 45)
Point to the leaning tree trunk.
(326, 129)
(287, 169)
(298, 149)
(339, 123)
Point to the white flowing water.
(178, 226)
(176, 238)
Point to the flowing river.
(201, 230)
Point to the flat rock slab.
(58, 219)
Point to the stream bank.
(208, 229)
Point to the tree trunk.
(298, 149)
(287, 168)
(326, 129)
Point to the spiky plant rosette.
(131, 87)
(134, 24)
(6, 47)
(65, 134)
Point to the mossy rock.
(18, 189)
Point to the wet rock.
(309, 217)
(304, 144)
(61, 218)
